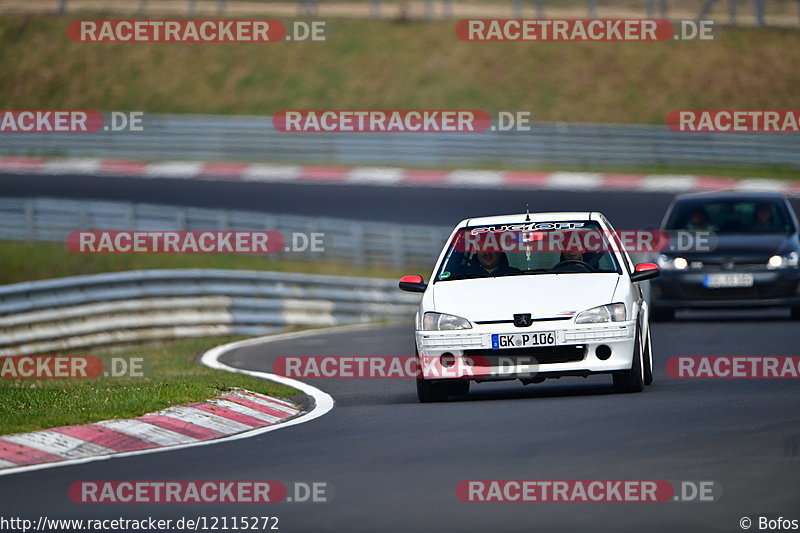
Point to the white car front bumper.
(575, 351)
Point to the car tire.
(662, 314)
(795, 313)
(632, 380)
(429, 392)
(648, 359)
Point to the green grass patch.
(22, 261)
(374, 64)
(779, 172)
(172, 378)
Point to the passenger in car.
(763, 221)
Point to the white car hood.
(542, 295)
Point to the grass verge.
(381, 64)
(172, 377)
(21, 261)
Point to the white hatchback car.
(528, 313)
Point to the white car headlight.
(441, 322)
(604, 313)
(668, 263)
(783, 261)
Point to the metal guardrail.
(253, 138)
(353, 242)
(120, 308)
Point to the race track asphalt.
(392, 464)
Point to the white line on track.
(323, 402)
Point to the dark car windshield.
(731, 217)
(460, 262)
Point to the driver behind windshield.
(492, 264)
(763, 219)
(575, 261)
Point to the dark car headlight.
(666, 262)
(789, 260)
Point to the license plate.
(719, 281)
(523, 340)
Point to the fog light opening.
(602, 352)
(447, 360)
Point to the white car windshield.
(492, 251)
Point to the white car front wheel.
(648, 359)
(632, 380)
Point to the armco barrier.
(253, 138)
(126, 307)
(354, 242)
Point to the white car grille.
(596, 334)
(468, 340)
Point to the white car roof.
(532, 217)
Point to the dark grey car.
(749, 259)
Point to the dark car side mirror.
(645, 271)
(413, 283)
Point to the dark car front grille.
(528, 356)
(734, 293)
(716, 267)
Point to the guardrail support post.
(357, 236)
(760, 13)
(448, 9)
(540, 9)
(517, 7)
(375, 9)
(83, 217)
(429, 10)
(732, 11)
(398, 247)
(706, 9)
(651, 9)
(130, 216)
(591, 9)
(180, 219)
(223, 221)
(30, 220)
